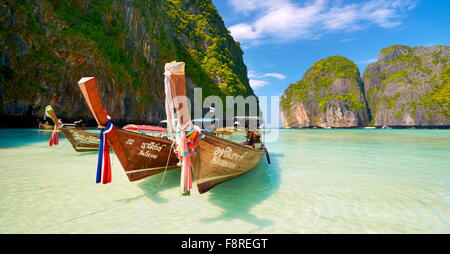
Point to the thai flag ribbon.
(54, 136)
(104, 161)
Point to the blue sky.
(281, 39)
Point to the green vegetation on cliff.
(215, 52)
(322, 74)
(410, 85)
(440, 95)
(330, 80)
(49, 45)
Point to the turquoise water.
(320, 181)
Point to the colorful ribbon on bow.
(54, 136)
(104, 161)
(187, 141)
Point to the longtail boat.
(213, 160)
(140, 155)
(46, 126)
(81, 140)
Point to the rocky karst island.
(47, 46)
(405, 87)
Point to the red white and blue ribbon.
(54, 136)
(104, 161)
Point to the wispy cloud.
(274, 75)
(347, 39)
(253, 74)
(255, 83)
(286, 20)
(368, 61)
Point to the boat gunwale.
(223, 140)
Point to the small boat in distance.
(81, 140)
(46, 126)
(141, 155)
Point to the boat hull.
(219, 160)
(47, 126)
(82, 141)
(141, 155)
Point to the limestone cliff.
(330, 94)
(409, 86)
(46, 46)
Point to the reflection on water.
(236, 198)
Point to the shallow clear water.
(320, 181)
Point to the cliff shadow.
(239, 196)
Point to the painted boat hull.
(82, 141)
(142, 156)
(219, 160)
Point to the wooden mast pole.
(88, 86)
(49, 110)
(174, 71)
(178, 90)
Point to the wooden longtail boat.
(217, 160)
(46, 126)
(81, 140)
(140, 155)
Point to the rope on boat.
(59, 148)
(165, 170)
(90, 214)
(36, 189)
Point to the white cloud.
(246, 5)
(368, 61)
(347, 39)
(255, 83)
(285, 20)
(244, 32)
(253, 74)
(274, 75)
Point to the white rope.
(165, 170)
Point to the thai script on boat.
(129, 141)
(147, 154)
(152, 146)
(227, 153)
